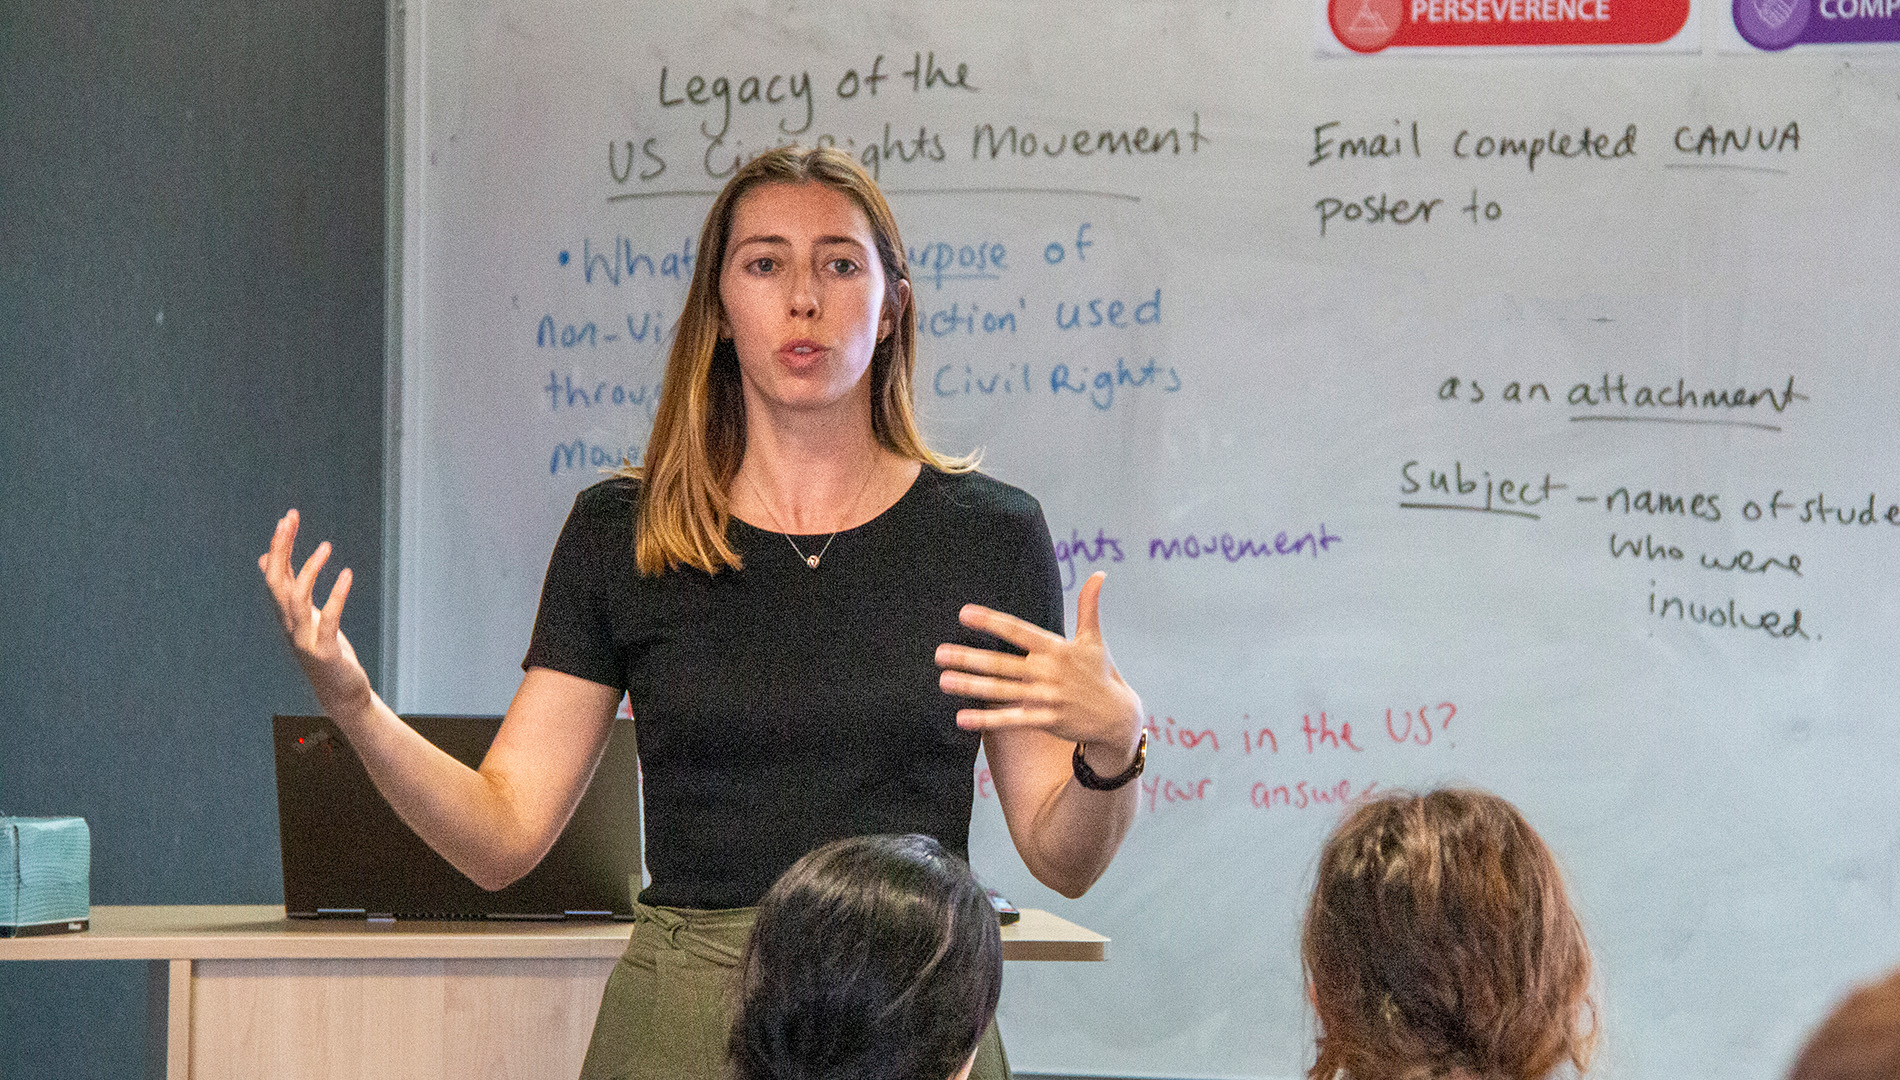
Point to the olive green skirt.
(667, 1011)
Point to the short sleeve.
(573, 629)
(1037, 583)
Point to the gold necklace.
(810, 560)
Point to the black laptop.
(347, 854)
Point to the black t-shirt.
(780, 707)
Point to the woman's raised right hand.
(315, 633)
(494, 823)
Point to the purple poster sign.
(1777, 24)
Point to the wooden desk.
(254, 994)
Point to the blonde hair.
(699, 429)
(1440, 942)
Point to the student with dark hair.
(1860, 1040)
(1440, 943)
(873, 958)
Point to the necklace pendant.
(811, 561)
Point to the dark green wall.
(191, 340)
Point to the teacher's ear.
(895, 306)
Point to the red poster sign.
(1371, 25)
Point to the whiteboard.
(1524, 489)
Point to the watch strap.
(1088, 777)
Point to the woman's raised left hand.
(1066, 687)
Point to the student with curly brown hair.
(1440, 943)
(1860, 1040)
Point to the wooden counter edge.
(261, 932)
(1040, 935)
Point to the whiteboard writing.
(1491, 415)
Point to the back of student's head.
(1859, 1041)
(1441, 942)
(874, 957)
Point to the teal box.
(45, 875)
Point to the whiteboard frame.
(402, 335)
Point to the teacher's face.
(803, 296)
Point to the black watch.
(1088, 779)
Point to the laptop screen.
(347, 854)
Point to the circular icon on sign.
(1771, 24)
(1367, 25)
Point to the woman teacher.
(802, 602)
